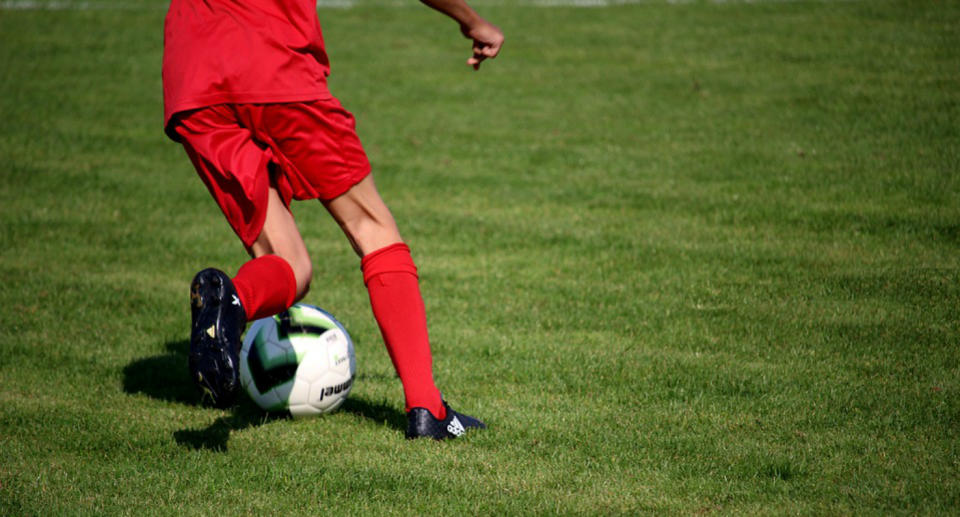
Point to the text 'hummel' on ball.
(300, 361)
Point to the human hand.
(487, 40)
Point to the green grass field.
(695, 258)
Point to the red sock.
(266, 286)
(391, 279)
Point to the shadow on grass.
(216, 435)
(165, 377)
(379, 412)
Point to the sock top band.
(394, 258)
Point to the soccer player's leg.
(280, 271)
(393, 285)
(277, 275)
(236, 170)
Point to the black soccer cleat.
(422, 424)
(218, 320)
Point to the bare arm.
(487, 38)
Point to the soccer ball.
(300, 361)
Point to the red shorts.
(307, 150)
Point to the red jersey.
(241, 51)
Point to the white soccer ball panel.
(314, 360)
(300, 393)
(328, 392)
(340, 352)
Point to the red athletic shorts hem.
(306, 150)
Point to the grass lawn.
(686, 258)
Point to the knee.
(302, 270)
(369, 234)
(303, 273)
(364, 217)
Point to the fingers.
(476, 59)
(477, 56)
(482, 51)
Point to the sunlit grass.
(687, 258)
